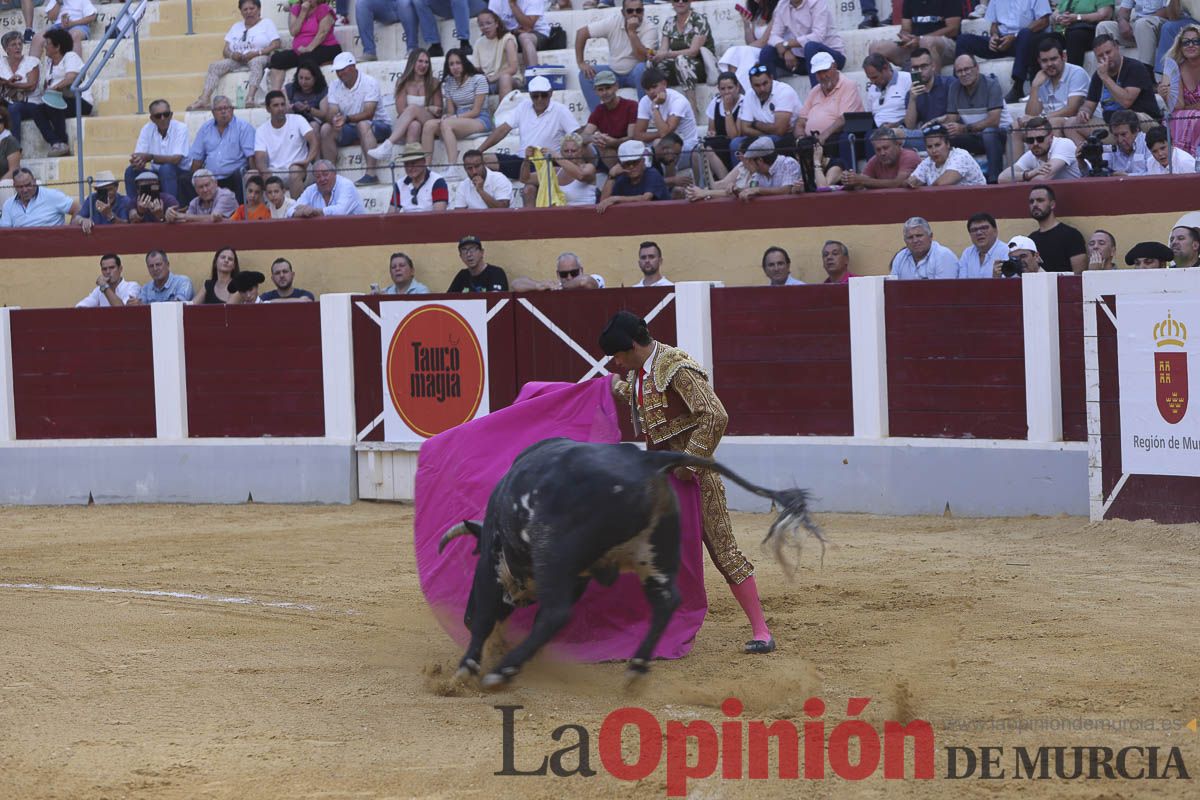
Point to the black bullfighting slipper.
(759, 647)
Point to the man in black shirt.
(1061, 247)
(931, 24)
(1118, 83)
(479, 276)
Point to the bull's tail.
(786, 531)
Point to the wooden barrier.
(1070, 348)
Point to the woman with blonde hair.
(1180, 89)
(418, 100)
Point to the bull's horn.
(460, 529)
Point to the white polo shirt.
(1061, 149)
(889, 104)
(284, 146)
(677, 105)
(150, 142)
(495, 184)
(782, 98)
(351, 99)
(544, 130)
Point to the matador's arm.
(710, 414)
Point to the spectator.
(1015, 29)
(1060, 246)
(212, 203)
(161, 147)
(243, 288)
(922, 258)
(1180, 89)
(285, 145)
(978, 259)
(1148, 255)
(483, 188)
(976, 116)
(254, 208)
(1118, 84)
(225, 267)
(887, 90)
(636, 183)
(151, 203)
(409, 14)
(1102, 250)
(824, 111)
(612, 120)
(1129, 155)
(421, 189)
(496, 53)
(664, 157)
(569, 275)
(465, 92)
(357, 115)
(945, 165)
(777, 266)
(310, 23)
(777, 174)
(1058, 89)
(800, 29)
(1169, 34)
(20, 82)
(249, 44)
(723, 126)
(283, 276)
(770, 109)
(650, 263)
(10, 154)
(932, 25)
(106, 205)
(1138, 24)
(418, 99)
(1166, 159)
(1185, 246)
(928, 97)
(402, 272)
(631, 42)
(678, 57)
(540, 122)
(224, 145)
(526, 20)
(1048, 157)
(163, 286)
(51, 119)
(889, 168)
(669, 112)
(575, 174)
(35, 207)
(477, 275)
(835, 258)
(307, 96)
(72, 17)
(1024, 251)
(111, 288)
(1075, 22)
(330, 196)
(278, 201)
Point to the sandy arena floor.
(1056, 622)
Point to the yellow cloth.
(549, 193)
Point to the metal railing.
(128, 20)
(189, 7)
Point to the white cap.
(539, 84)
(630, 150)
(1022, 243)
(343, 60)
(760, 147)
(820, 62)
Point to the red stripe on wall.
(1070, 353)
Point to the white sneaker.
(382, 153)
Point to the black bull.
(567, 512)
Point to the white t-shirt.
(495, 184)
(782, 98)
(28, 64)
(71, 62)
(960, 161)
(1181, 162)
(241, 40)
(530, 8)
(889, 104)
(662, 281)
(1061, 149)
(676, 106)
(284, 146)
(74, 9)
(620, 50)
(545, 130)
(284, 211)
(175, 143)
(125, 290)
(351, 99)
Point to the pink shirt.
(907, 162)
(845, 278)
(308, 28)
(822, 111)
(811, 22)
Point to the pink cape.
(456, 471)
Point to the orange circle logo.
(435, 370)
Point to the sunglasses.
(633, 163)
(1036, 139)
(162, 115)
(634, 12)
(758, 69)
(574, 273)
(1190, 42)
(539, 94)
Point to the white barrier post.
(693, 321)
(337, 367)
(170, 370)
(1043, 370)
(868, 357)
(8, 417)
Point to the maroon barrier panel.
(254, 370)
(1070, 358)
(781, 359)
(521, 346)
(955, 359)
(83, 373)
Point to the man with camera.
(927, 98)
(111, 287)
(1130, 155)
(151, 203)
(1048, 157)
(105, 205)
(1022, 257)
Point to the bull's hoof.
(469, 668)
(759, 647)
(635, 673)
(494, 681)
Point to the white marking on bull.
(617, 488)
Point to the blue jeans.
(769, 57)
(17, 111)
(462, 11)
(1022, 51)
(169, 176)
(990, 142)
(868, 8)
(1166, 38)
(631, 80)
(366, 12)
